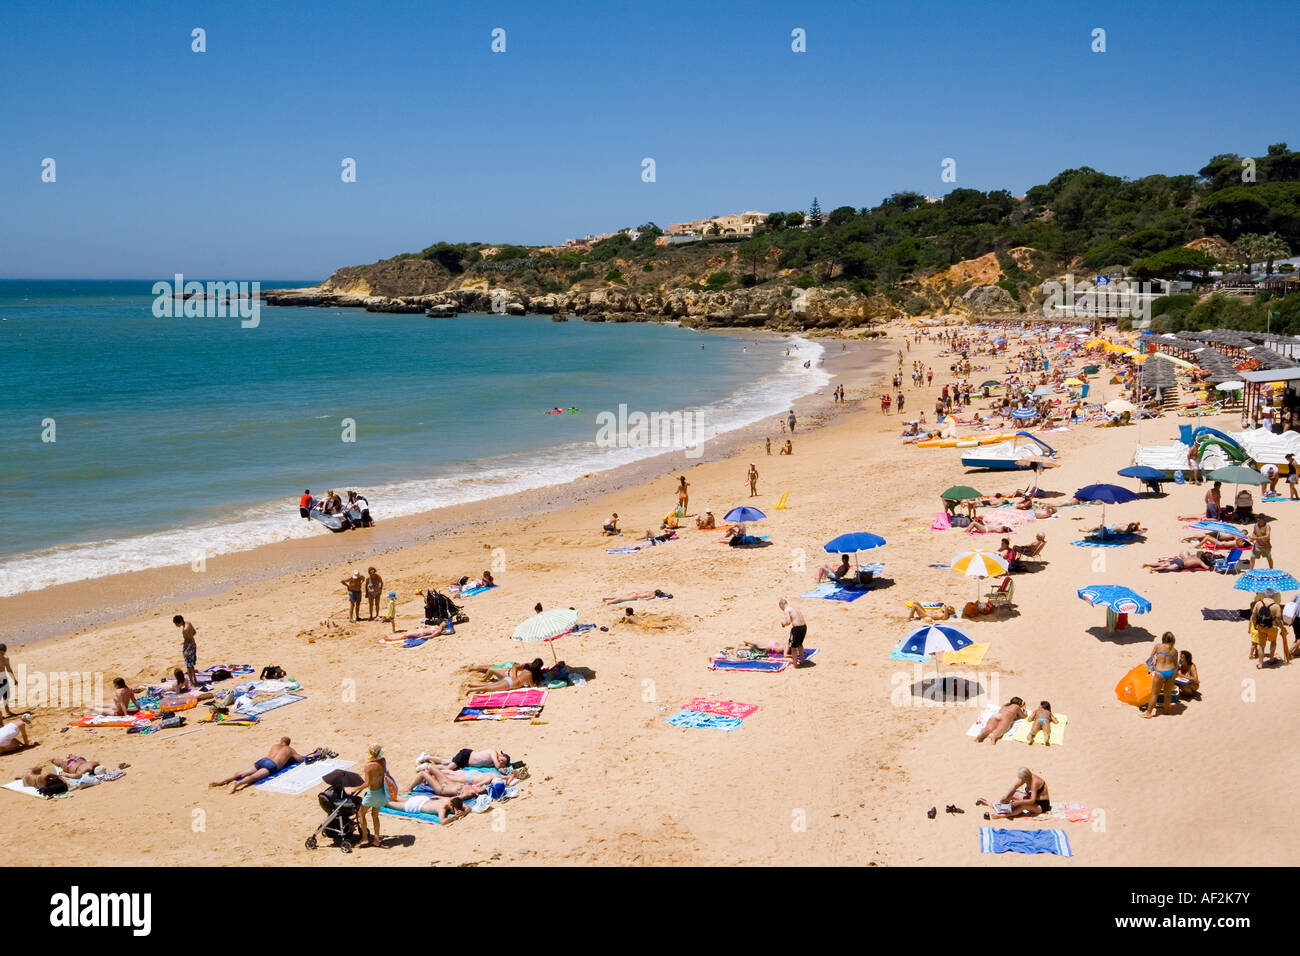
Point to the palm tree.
(1254, 247)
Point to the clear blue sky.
(226, 164)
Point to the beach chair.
(1231, 563)
(781, 502)
(1001, 596)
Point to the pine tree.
(815, 214)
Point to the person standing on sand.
(1213, 501)
(753, 478)
(354, 583)
(1164, 664)
(791, 420)
(900, 401)
(6, 671)
(1292, 477)
(304, 504)
(189, 649)
(793, 618)
(683, 494)
(1261, 539)
(374, 591)
(769, 446)
(375, 796)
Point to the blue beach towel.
(695, 718)
(998, 840)
(422, 817)
(478, 590)
(898, 655)
(1113, 541)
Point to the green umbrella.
(1091, 369)
(1237, 475)
(960, 493)
(991, 383)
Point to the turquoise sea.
(181, 437)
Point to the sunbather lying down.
(1187, 561)
(459, 777)
(654, 621)
(505, 678)
(637, 596)
(445, 809)
(920, 612)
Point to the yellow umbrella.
(1073, 381)
(979, 564)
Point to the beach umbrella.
(852, 542)
(1043, 391)
(743, 514)
(1142, 472)
(992, 383)
(978, 564)
(1218, 527)
(933, 639)
(960, 493)
(1023, 413)
(1091, 369)
(1259, 580)
(1107, 495)
(546, 627)
(1118, 406)
(1116, 597)
(1230, 386)
(1073, 381)
(1237, 475)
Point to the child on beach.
(189, 649)
(390, 612)
(6, 671)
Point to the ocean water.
(177, 438)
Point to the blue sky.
(227, 163)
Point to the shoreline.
(33, 616)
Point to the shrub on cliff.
(718, 280)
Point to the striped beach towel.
(999, 840)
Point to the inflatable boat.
(1007, 455)
(341, 522)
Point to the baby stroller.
(438, 607)
(340, 808)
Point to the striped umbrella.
(932, 639)
(978, 564)
(547, 626)
(1259, 580)
(1218, 527)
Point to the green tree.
(1253, 247)
(1173, 263)
(815, 214)
(793, 220)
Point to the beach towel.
(1111, 541)
(981, 720)
(830, 591)
(1072, 812)
(259, 708)
(300, 777)
(772, 665)
(17, 787)
(233, 668)
(896, 655)
(1224, 614)
(725, 708)
(498, 713)
(478, 590)
(234, 720)
(525, 696)
(972, 654)
(141, 717)
(941, 522)
(1020, 732)
(627, 550)
(422, 817)
(998, 840)
(694, 718)
(257, 687)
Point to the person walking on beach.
(793, 618)
(753, 480)
(683, 494)
(305, 503)
(1292, 477)
(189, 649)
(6, 672)
(354, 583)
(374, 591)
(900, 401)
(769, 445)
(1261, 540)
(791, 419)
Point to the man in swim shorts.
(189, 649)
(354, 583)
(277, 758)
(793, 618)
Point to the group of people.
(355, 510)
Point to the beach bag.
(960, 521)
(221, 674)
(1289, 612)
(175, 720)
(272, 672)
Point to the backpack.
(272, 672)
(1264, 615)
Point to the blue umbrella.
(1023, 413)
(1116, 597)
(933, 638)
(744, 513)
(1218, 527)
(1266, 579)
(1107, 495)
(852, 542)
(1142, 472)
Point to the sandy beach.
(836, 767)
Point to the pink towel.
(724, 708)
(524, 697)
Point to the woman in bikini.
(1164, 664)
(1187, 679)
(518, 675)
(1001, 722)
